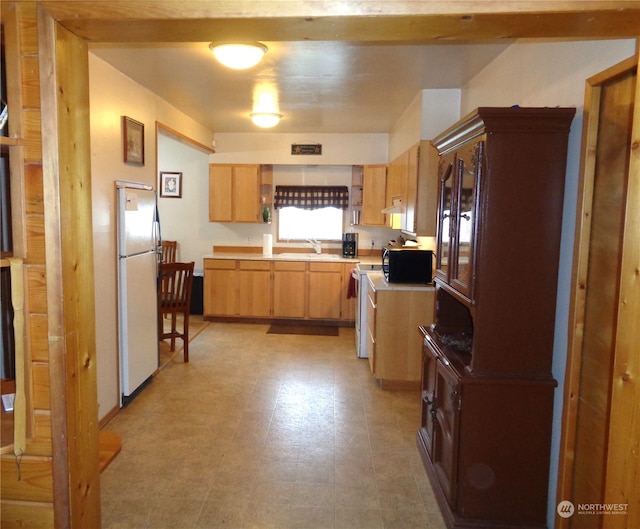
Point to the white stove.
(360, 275)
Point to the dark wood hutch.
(487, 386)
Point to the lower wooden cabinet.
(254, 288)
(289, 289)
(484, 442)
(277, 289)
(220, 287)
(325, 290)
(394, 346)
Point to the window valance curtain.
(311, 197)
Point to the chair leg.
(173, 331)
(185, 337)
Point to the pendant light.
(240, 55)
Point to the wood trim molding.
(165, 129)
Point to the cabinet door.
(370, 325)
(325, 289)
(468, 169)
(254, 288)
(289, 289)
(246, 193)
(220, 294)
(445, 430)
(446, 171)
(428, 397)
(409, 218)
(220, 185)
(348, 305)
(374, 184)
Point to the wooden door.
(246, 193)
(220, 183)
(599, 459)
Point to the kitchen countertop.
(290, 256)
(379, 283)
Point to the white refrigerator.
(138, 254)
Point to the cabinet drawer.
(254, 265)
(325, 267)
(296, 266)
(219, 264)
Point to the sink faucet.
(316, 245)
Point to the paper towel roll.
(267, 245)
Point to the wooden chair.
(175, 298)
(169, 251)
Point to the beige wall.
(113, 95)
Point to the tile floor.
(268, 431)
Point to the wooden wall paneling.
(64, 67)
(623, 462)
(32, 482)
(26, 514)
(33, 193)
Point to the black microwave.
(407, 265)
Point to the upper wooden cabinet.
(420, 203)
(374, 186)
(235, 193)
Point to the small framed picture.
(171, 185)
(133, 141)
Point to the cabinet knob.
(425, 398)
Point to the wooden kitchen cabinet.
(374, 186)
(325, 290)
(220, 287)
(234, 193)
(274, 288)
(421, 205)
(487, 386)
(254, 288)
(394, 346)
(290, 287)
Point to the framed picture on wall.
(171, 185)
(133, 141)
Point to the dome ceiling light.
(239, 56)
(266, 120)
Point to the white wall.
(430, 113)
(550, 74)
(186, 220)
(113, 95)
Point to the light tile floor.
(268, 431)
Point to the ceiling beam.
(372, 21)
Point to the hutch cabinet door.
(469, 164)
(445, 431)
(443, 251)
(428, 397)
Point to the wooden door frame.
(66, 158)
(619, 472)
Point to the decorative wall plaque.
(306, 148)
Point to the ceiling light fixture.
(239, 56)
(266, 120)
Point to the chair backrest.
(169, 251)
(177, 281)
